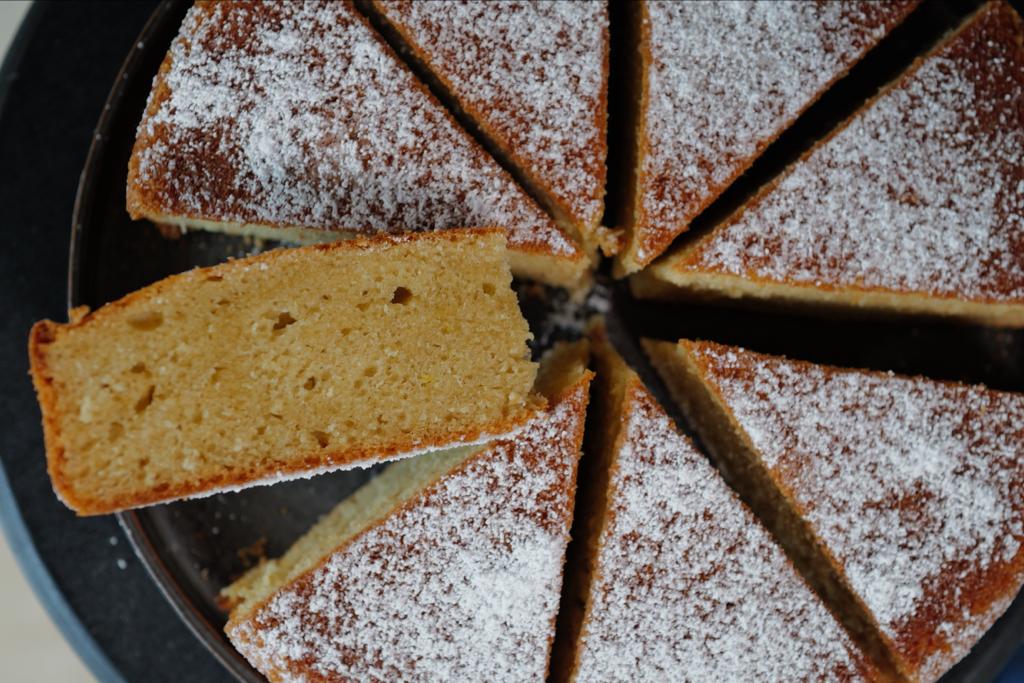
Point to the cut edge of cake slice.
(551, 255)
(669, 279)
(636, 65)
(596, 468)
(918, 650)
(730, 447)
(629, 259)
(586, 228)
(574, 270)
(563, 380)
(172, 359)
(617, 392)
(661, 281)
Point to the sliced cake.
(533, 77)
(905, 494)
(281, 365)
(681, 582)
(294, 120)
(716, 82)
(446, 567)
(915, 205)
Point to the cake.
(915, 205)
(281, 365)
(295, 121)
(681, 581)
(905, 494)
(445, 567)
(715, 83)
(533, 77)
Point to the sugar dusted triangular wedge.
(680, 581)
(915, 205)
(283, 365)
(446, 567)
(716, 82)
(906, 494)
(533, 77)
(294, 120)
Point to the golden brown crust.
(140, 200)
(42, 334)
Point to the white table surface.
(31, 648)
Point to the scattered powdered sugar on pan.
(535, 74)
(923, 191)
(296, 114)
(915, 486)
(461, 584)
(725, 79)
(688, 581)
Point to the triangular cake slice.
(533, 77)
(445, 567)
(282, 365)
(294, 120)
(716, 83)
(906, 494)
(916, 204)
(682, 582)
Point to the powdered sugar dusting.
(296, 114)
(535, 72)
(726, 78)
(689, 586)
(461, 585)
(921, 192)
(915, 486)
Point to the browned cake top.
(922, 191)
(462, 583)
(724, 80)
(296, 114)
(916, 487)
(535, 73)
(688, 585)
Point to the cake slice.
(281, 365)
(445, 567)
(905, 494)
(915, 205)
(293, 120)
(533, 77)
(680, 581)
(716, 83)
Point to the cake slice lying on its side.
(282, 365)
(679, 580)
(295, 121)
(716, 83)
(915, 205)
(905, 494)
(533, 77)
(445, 567)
